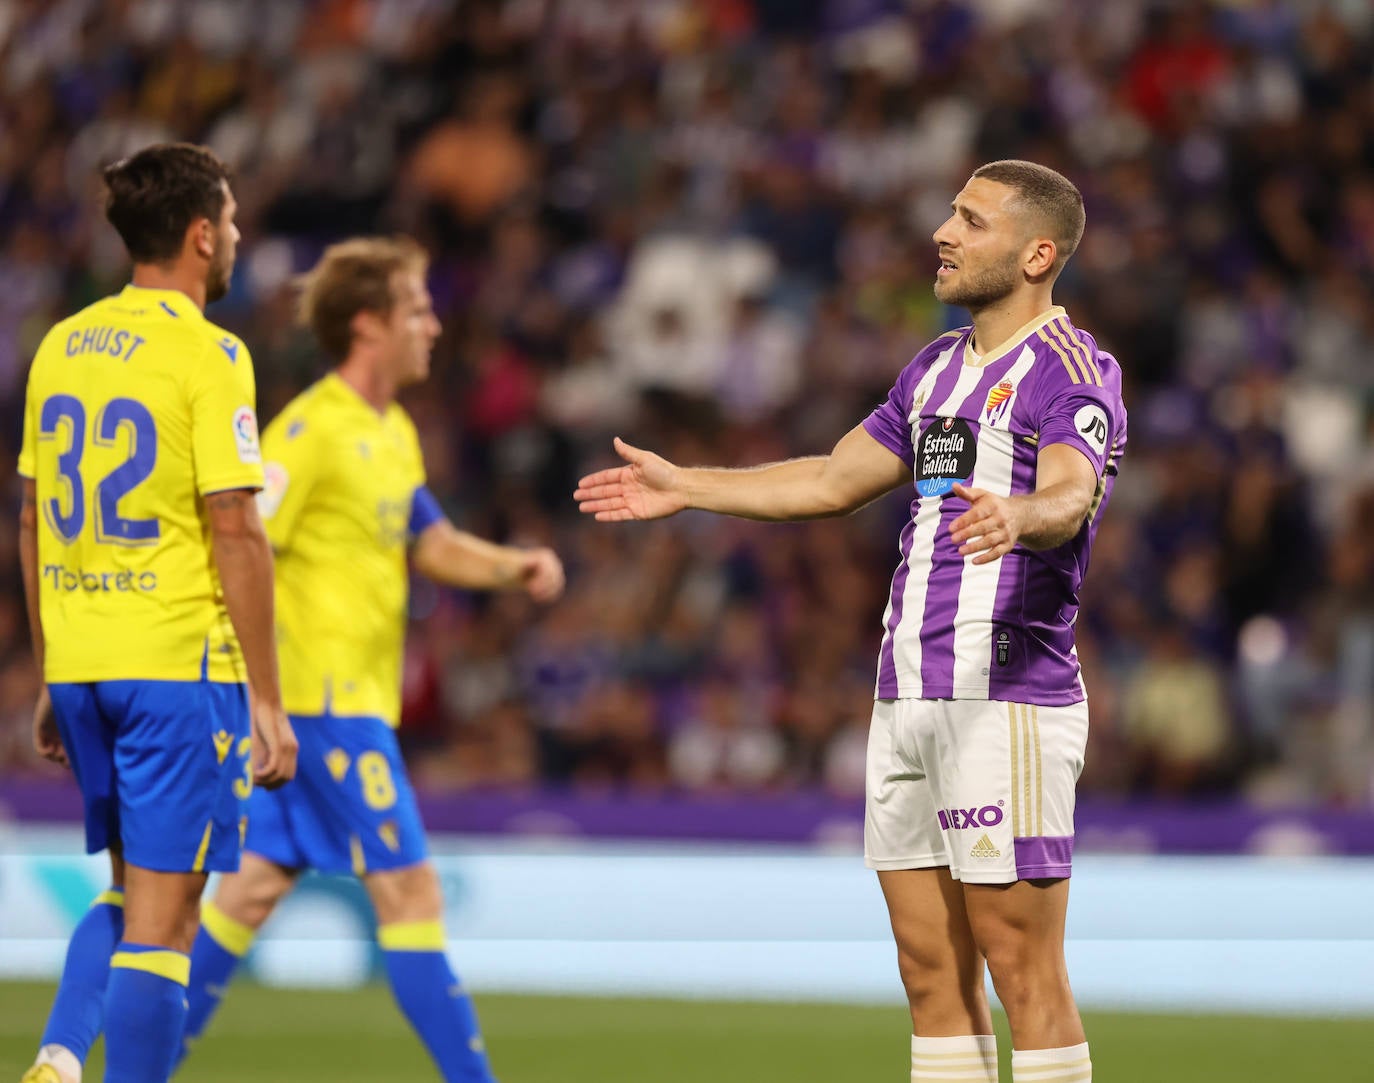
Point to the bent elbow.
(831, 504)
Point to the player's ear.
(1039, 256)
(203, 237)
(366, 326)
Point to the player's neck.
(372, 385)
(997, 322)
(151, 276)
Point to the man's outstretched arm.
(857, 471)
(456, 558)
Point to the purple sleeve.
(1085, 415)
(888, 423)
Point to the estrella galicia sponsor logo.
(962, 819)
(71, 580)
(945, 456)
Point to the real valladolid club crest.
(999, 402)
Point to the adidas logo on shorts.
(984, 848)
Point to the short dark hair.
(353, 276)
(152, 197)
(1049, 194)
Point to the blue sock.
(78, 1010)
(432, 999)
(220, 946)
(145, 1010)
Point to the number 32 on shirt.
(64, 417)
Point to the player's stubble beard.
(978, 289)
(220, 271)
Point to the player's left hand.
(989, 528)
(47, 740)
(541, 573)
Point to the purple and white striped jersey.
(1004, 630)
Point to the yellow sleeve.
(224, 423)
(291, 445)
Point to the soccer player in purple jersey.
(1009, 432)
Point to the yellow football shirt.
(340, 477)
(137, 407)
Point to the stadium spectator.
(1226, 153)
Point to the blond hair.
(357, 275)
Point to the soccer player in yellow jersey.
(147, 574)
(344, 503)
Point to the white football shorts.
(983, 786)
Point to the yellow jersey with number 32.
(137, 408)
(340, 480)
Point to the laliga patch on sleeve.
(1091, 423)
(246, 435)
(274, 482)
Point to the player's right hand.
(648, 488)
(47, 739)
(274, 746)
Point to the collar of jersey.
(1017, 337)
(346, 392)
(177, 302)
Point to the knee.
(1023, 969)
(258, 907)
(410, 894)
(250, 895)
(934, 976)
(921, 971)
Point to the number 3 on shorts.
(379, 791)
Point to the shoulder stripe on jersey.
(1071, 333)
(1087, 352)
(1065, 332)
(1060, 337)
(170, 310)
(1068, 367)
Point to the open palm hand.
(648, 487)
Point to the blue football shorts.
(165, 769)
(350, 808)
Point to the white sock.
(970, 1058)
(1067, 1065)
(63, 1059)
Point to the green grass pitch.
(275, 1036)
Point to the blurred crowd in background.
(705, 225)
